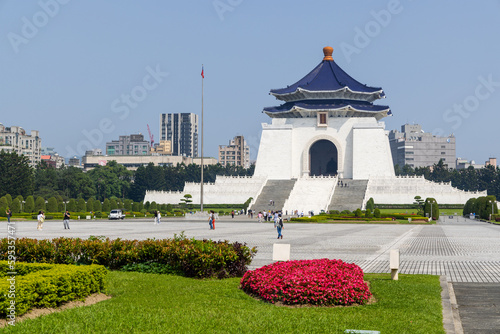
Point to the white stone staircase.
(311, 194)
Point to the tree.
(377, 213)
(153, 206)
(9, 199)
(431, 208)
(186, 200)
(90, 204)
(71, 205)
(370, 205)
(127, 204)
(4, 203)
(358, 213)
(97, 206)
(15, 207)
(52, 205)
(105, 205)
(81, 206)
(112, 204)
(420, 202)
(368, 213)
(29, 206)
(16, 175)
(135, 207)
(40, 204)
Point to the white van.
(116, 214)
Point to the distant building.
(74, 162)
(128, 145)
(95, 151)
(182, 131)
(132, 162)
(236, 153)
(416, 148)
(162, 148)
(15, 139)
(464, 163)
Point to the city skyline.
(85, 73)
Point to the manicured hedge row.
(194, 258)
(48, 285)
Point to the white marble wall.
(225, 190)
(360, 142)
(402, 190)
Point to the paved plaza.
(465, 252)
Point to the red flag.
(202, 73)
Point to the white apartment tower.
(15, 139)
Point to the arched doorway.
(323, 157)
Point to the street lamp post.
(491, 213)
(22, 202)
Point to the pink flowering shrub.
(318, 282)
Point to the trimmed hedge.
(48, 285)
(193, 258)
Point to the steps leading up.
(277, 191)
(348, 197)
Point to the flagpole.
(201, 190)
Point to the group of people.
(157, 216)
(342, 184)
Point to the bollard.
(281, 252)
(394, 263)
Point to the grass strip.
(151, 303)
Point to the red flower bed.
(318, 282)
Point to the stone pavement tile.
(479, 307)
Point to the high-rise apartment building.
(182, 131)
(416, 148)
(15, 139)
(128, 145)
(236, 153)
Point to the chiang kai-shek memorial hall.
(325, 149)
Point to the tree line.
(113, 181)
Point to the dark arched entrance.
(323, 158)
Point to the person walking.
(158, 217)
(155, 214)
(211, 219)
(41, 220)
(9, 214)
(279, 227)
(260, 216)
(232, 214)
(66, 220)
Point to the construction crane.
(151, 138)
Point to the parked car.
(116, 214)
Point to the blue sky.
(86, 72)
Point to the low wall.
(403, 189)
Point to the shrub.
(334, 212)
(368, 213)
(194, 258)
(358, 213)
(370, 205)
(376, 213)
(318, 282)
(49, 285)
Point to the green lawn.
(149, 303)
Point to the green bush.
(194, 258)
(370, 205)
(376, 213)
(358, 213)
(48, 285)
